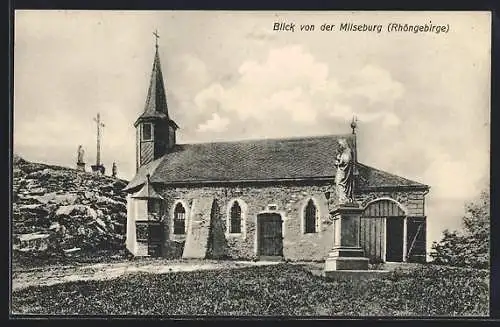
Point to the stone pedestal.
(80, 166)
(346, 253)
(98, 169)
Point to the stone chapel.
(259, 199)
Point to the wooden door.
(372, 238)
(270, 237)
(416, 239)
(375, 237)
(394, 239)
(155, 239)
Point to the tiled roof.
(258, 161)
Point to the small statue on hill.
(80, 154)
(80, 163)
(114, 170)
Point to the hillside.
(60, 211)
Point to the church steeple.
(155, 129)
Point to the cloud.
(457, 179)
(214, 124)
(188, 74)
(291, 84)
(376, 84)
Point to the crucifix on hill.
(98, 167)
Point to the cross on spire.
(99, 125)
(157, 36)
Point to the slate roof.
(264, 160)
(372, 178)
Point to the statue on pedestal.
(80, 163)
(344, 175)
(80, 154)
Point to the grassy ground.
(281, 289)
(27, 260)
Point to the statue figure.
(113, 170)
(81, 152)
(344, 175)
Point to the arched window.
(310, 217)
(179, 219)
(235, 218)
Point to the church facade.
(259, 199)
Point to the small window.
(147, 132)
(235, 227)
(155, 209)
(179, 219)
(310, 217)
(272, 207)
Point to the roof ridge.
(296, 138)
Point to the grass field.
(281, 289)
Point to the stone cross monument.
(98, 167)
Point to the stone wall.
(289, 200)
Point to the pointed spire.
(156, 99)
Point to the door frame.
(404, 237)
(257, 225)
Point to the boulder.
(76, 210)
(61, 199)
(38, 191)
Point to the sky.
(422, 99)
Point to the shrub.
(469, 248)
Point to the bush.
(469, 248)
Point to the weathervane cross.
(157, 36)
(354, 124)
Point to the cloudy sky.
(422, 100)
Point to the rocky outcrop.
(78, 210)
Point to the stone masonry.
(289, 202)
